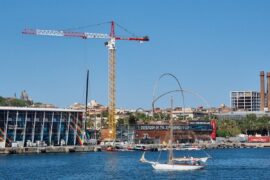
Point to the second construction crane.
(112, 62)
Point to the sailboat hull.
(176, 167)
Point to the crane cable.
(86, 26)
(126, 30)
(99, 24)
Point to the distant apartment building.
(245, 100)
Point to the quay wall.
(38, 150)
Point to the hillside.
(14, 102)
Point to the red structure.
(258, 139)
(214, 129)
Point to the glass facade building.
(40, 127)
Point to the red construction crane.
(112, 61)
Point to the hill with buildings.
(14, 102)
(23, 101)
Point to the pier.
(49, 149)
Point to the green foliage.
(228, 128)
(1, 99)
(37, 104)
(210, 117)
(249, 125)
(183, 117)
(14, 102)
(132, 119)
(223, 133)
(161, 116)
(142, 117)
(105, 114)
(121, 121)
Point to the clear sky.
(212, 46)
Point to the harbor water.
(250, 163)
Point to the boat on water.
(181, 159)
(116, 146)
(176, 164)
(192, 148)
(139, 147)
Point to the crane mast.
(112, 94)
(111, 62)
(112, 86)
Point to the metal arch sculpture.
(156, 85)
(182, 91)
(139, 109)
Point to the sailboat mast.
(171, 135)
(86, 99)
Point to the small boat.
(139, 147)
(110, 149)
(189, 148)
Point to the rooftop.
(38, 109)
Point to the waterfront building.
(25, 127)
(245, 100)
(190, 131)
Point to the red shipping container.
(262, 139)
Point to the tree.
(249, 123)
(264, 124)
(142, 117)
(120, 121)
(132, 120)
(104, 113)
(161, 116)
(228, 128)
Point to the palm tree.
(251, 122)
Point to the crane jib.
(84, 35)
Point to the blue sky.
(213, 47)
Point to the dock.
(49, 149)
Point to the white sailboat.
(181, 159)
(176, 164)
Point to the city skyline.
(212, 48)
